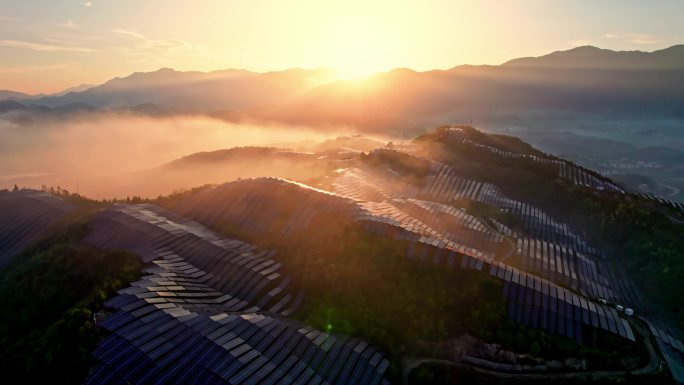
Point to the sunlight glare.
(356, 48)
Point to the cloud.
(633, 37)
(68, 24)
(166, 45)
(87, 4)
(158, 49)
(42, 47)
(127, 33)
(27, 69)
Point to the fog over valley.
(97, 152)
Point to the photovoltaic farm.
(26, 216)
(220, 299)
(211, 310)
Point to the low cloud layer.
(102, 145)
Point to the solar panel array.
(26, 216)
(546, 247)
(665, 202)
(211, 310)
(560, 264)
(671, 348)
(567, 170)
(265, 205)
(532, 300)
(383, 200)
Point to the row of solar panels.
(538, 224)
(675, 205)
(375, 186)
(232, 267)
(564, 266)
(672, 350)
(455, 225)
(539, 303)
(354, 187)
(583, 177)
(430, 219)
(572, 172)
(459, 237)
(533, 301)
(26, 216)
(443, 183)
(449, 219)
(211, 311)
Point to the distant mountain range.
(13, 95)
(7, 94)
(583, 80)
(589, 57)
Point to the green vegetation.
(48, 296)
(412, 169)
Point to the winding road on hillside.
(488, 367)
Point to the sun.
(356, 48)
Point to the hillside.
(455, 253)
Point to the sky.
(47, 46)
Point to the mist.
(79, 152)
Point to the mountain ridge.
(593, 57)
(164, 79)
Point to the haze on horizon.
(47, 46)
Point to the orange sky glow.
(47, 45)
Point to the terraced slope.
(591, 270)
(567, 171)
(270, 205)
(211, 310)
(26, 216)
(553, 276)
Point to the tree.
(16, 188)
